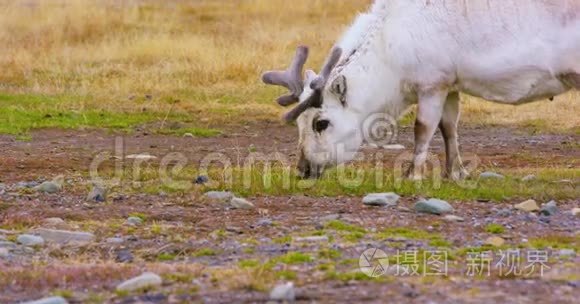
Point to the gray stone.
(453, 218)
(491, 175)
(549, 209)
(312, 239)
(240, 203)
(63, 236)
(4, 252)
(124, 256)
(567, 252)
(48, 187)
(50, 300)
(144, 281)
(283, 292)
(30, 240)
(134, 221)
(265, 222)
(53, 222)
(114, 240)
(529, 178)
(528, 206)
(575, 211)
(98, 194)
(381, 199)
(22, 185)
(433, 206)
(7, 244)
(220, 196)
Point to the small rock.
(393, 147)
(505, 212)
(7, 244)
(50, 300)
(143, 156)
(528, 206)
(63, 236)
(134, 221)
(240, 203)
(549, 209)
(53, 221)
(265, 222)
(312, 239)
(381, 199)
(23, 185)
(144, 281)
(433, 206)
(220, 196)
(4, 252)
(491, 175)
(49, 187)
(98, 194)
(453, 218)
(114, 240)
(283, 292)
(30, 240)
(576, 211)
(188, 135)
(124, 256)
(495, 241)
(201, 180)
(567, 252)
(529, 178)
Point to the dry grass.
(206, 53)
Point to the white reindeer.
(425, 52)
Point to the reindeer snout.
(307, 169)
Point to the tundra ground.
(93, 82)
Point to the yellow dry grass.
(207, 53)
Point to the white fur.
(507, 51)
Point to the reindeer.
(426, 52)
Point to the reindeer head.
(329, 131)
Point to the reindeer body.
(425, 52)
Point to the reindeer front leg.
(429, 113)
(454, 166)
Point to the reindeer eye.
(320, 125)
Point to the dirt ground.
(206, 243)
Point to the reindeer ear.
(339, 88)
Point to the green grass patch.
(495, 228)
(205, 252)
(292, 258)
(555, 242)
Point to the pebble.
(53, 221)
(491, 175)
(144, 281)
(221, 196)
(50, 300)
(454, 218)
(433, 206)
(124, 256)
(240, 203)
(30, 240)
(283, 292)
(529, 178)
(48, 187)
(134, 221)
(188, 135)
(141, 156)
(381, 199)
(567, 252)
(528, 206)
(22, 185)
(576, 211)
(7, 244)
(4, 252)
(312, 239)
(265, 222)
(63, 236)
(114, 240)
(549, 209)
(495, 241)
(201, 180)
(98, 194)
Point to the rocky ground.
(66, 241)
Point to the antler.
(292, 80)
